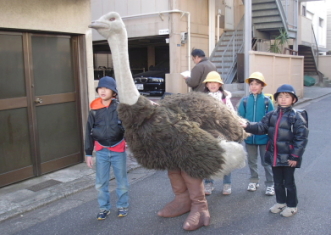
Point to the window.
(304, 11)
(320, 22)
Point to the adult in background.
(199, 72)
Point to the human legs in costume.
(182, 202)
(189, 196)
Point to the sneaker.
(278, 207)
(270, 191)
(289, 211)
(226, 189)
(102, 215)
(209, 187)
(122, 212)
(252, 187)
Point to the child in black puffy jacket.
(288, 136)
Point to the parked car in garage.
(152, 82)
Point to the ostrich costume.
(190, 135)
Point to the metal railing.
(229, 55)
(314, 47)
(289, 13)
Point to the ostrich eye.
(112, 19)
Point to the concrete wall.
(324, 63)
(305, 34)
(46, 15)
(328, 30)
(318, 10)
(137, 26)
(278, 69)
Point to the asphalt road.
(242, 212)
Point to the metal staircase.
(224, 56)
(268, 16)
(310, 65)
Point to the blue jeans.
(104, 160)
(226, 179)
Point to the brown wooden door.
(40, 126)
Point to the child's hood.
(97, 104)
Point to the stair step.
(222, 64)
(221, 48)
(305, 53)
(266, 19)
(268, 26)
(272, 12)
(327, 83)
(264, 6)
(261, 1)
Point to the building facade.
(45, 67)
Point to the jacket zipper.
(275, 137)
(254, 115)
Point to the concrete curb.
(56, 192)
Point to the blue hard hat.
(107, 82)
(288, 89)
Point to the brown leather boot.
(182, 202)
(199, 215)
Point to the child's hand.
(153, 103)
(292, 163)
(89, 161)
(243, 124)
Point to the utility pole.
(247, 39)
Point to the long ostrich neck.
(127, 91)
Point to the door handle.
(38, 101)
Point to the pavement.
(25, 196)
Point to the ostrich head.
(113, 29)
(108, 24)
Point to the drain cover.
(43, 185)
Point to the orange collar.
(97, 104)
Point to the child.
(213, 86)
(286, 145)
(104, 133)
(253, 108)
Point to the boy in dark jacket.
(105, 134)
(288, 136)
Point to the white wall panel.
(46, 15)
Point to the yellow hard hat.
(213, 76)
(258, 76)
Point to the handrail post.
(247, 39)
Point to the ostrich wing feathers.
(211, 114)
(165, 137)
(162, 139)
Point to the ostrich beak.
(98, 25)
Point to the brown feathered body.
(183, 131)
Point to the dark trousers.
(285, 189)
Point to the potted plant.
(279, 42)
